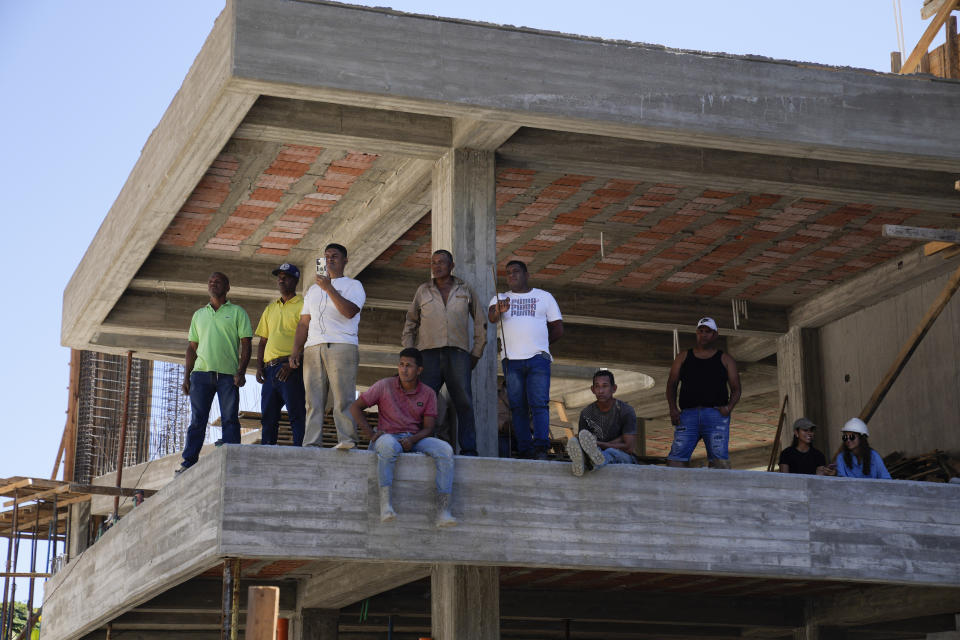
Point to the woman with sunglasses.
(856, 459)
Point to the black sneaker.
(540, 454)
(218, 443)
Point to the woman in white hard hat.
(856, 459)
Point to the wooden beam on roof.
(913, 60)
(37, 496)
(16, 484)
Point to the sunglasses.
(852, 436)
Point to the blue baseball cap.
(286, 267)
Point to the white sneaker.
(588, 442)
(345, 445)
(576, 456)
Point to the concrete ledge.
(171, 537)
(323, 504)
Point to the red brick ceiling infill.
(657, 238)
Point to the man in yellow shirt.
(281, 384)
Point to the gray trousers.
(330, 372)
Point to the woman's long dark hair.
(863, 453)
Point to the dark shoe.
(218, 443)
(540, 454)
(472, 454)
(524, 455)
(179, 470)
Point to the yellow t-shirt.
(278, 325)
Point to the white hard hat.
(856, 425)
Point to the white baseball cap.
(707, 322)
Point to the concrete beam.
(872, 605)
(195, 127)
(744, 349)
(622, 308)
(563, 152)
(345, 127)
(870, 287)
(342, 583)
(392, 290)
(647, 608)
(592, 86)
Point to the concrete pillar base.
(465, 602)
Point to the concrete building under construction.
(645, 187)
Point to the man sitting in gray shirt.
(608, 429)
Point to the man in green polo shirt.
(218, 351)
(281, 384)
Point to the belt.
(276, 361)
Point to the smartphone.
(322, 267)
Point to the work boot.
(576, 456)
(387, 514)
(588, 442)
(444, 517)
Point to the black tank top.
(703, 382)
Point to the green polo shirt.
(218, 334)
(278, 325)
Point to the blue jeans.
(703, 422)
(616, 456)
(388, 449)
(203, 386)
(454, 366)
(274, 395)
(528, 389)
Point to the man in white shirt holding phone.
(326, 345)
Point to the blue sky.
(85, 83)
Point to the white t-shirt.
(525, 323)
(326, 323)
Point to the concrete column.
(79, 529)
(465, 602)
(317, 624)
(464, 222)
(799, 377)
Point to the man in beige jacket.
(438, 324)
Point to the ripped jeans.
(702, 422)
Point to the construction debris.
(934, 466)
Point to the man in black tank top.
(709, 389)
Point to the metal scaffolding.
(100, 410)
(170, 413)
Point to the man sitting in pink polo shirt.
(408, 412)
